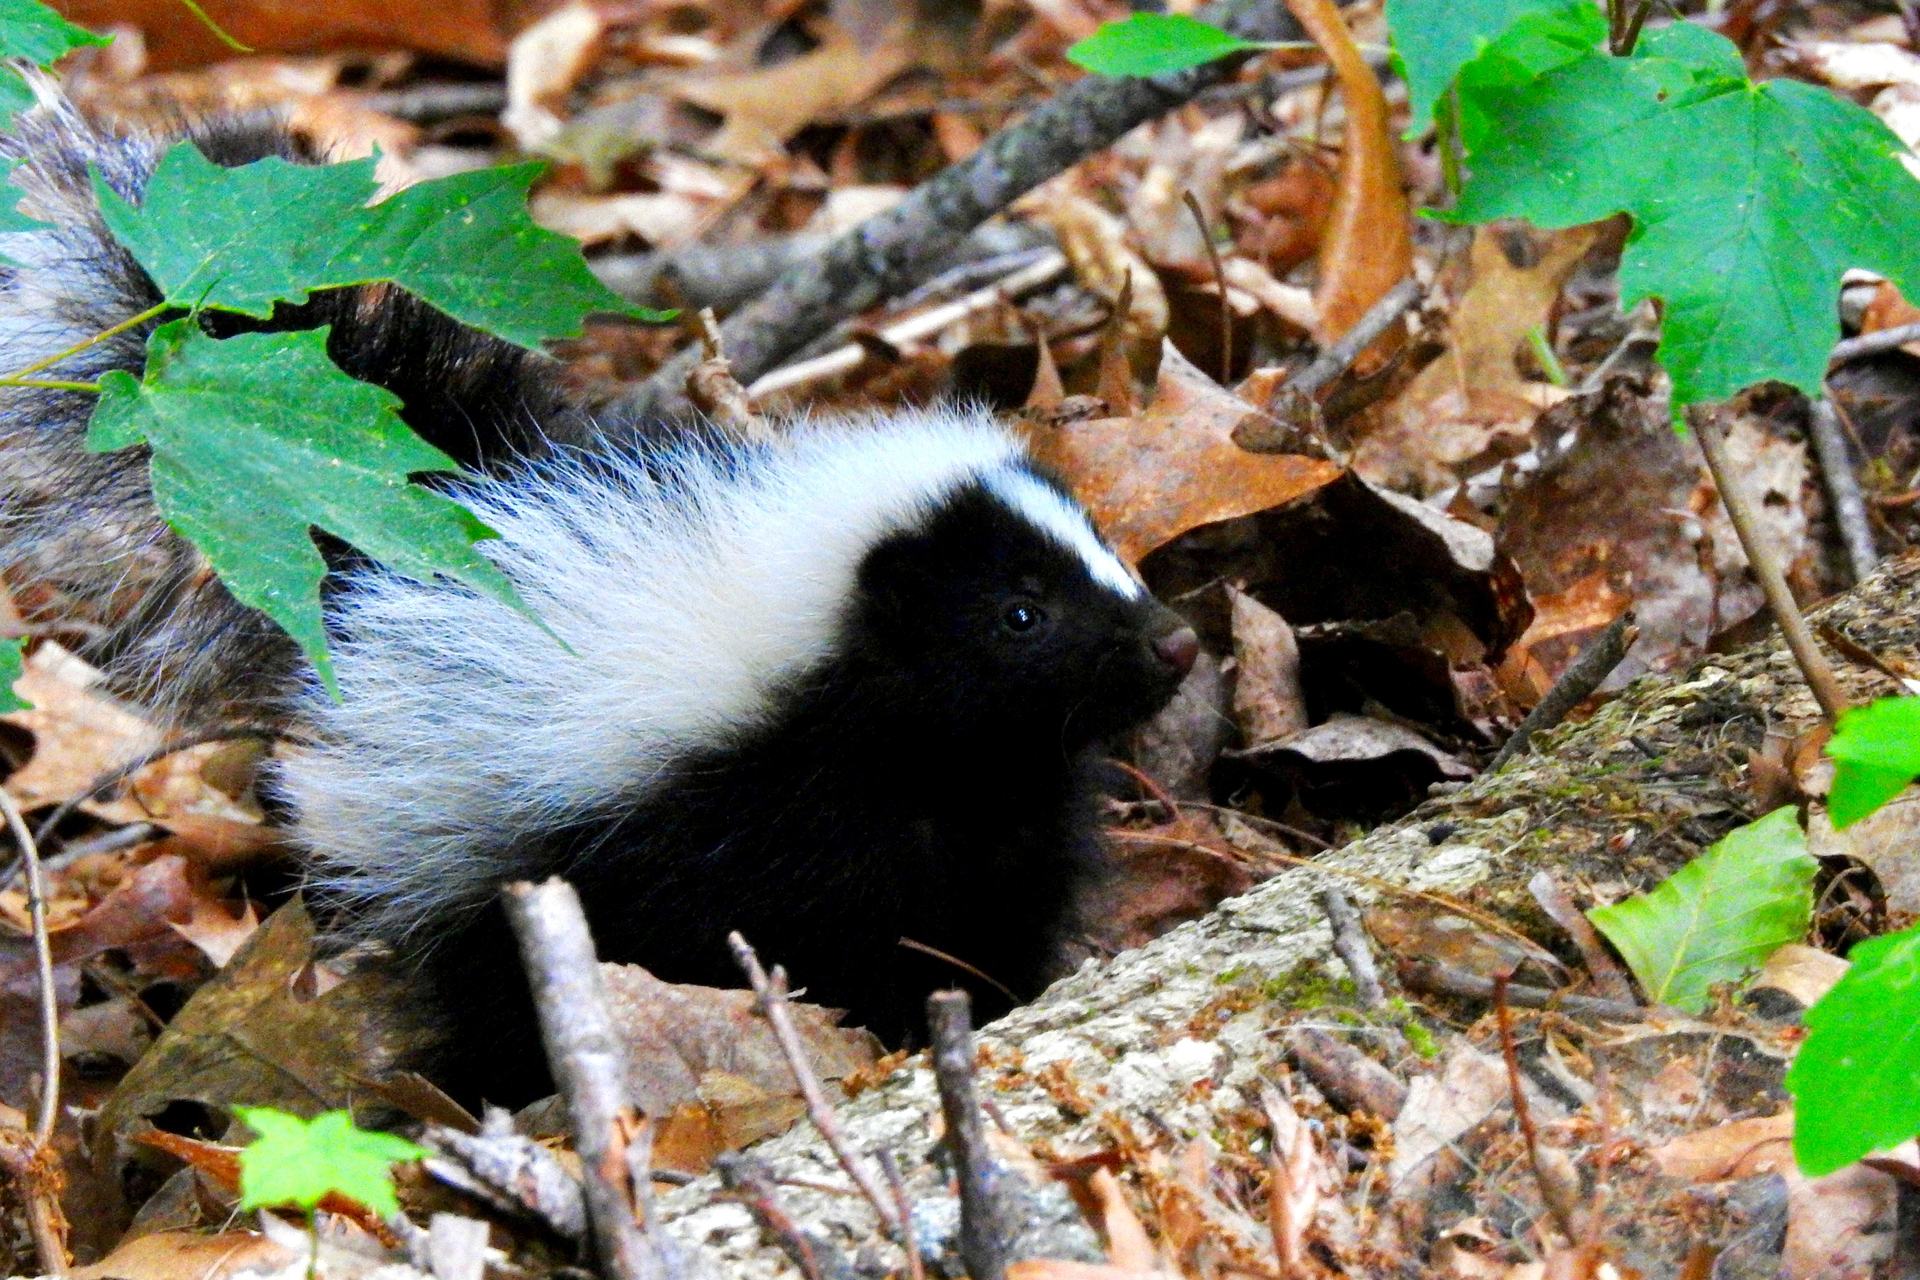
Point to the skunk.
(836, 691)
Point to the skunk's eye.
(1021, 617)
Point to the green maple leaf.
(1856, 1080)
(1748, 200)
(258, 439)
(241, 239)
(33, 33)
(1433, 39)
(1155, 44)
(300, 1162)
(10, 664)
(1876, 753)
(1720, 915)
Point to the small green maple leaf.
(9, 672)
(300, 1162)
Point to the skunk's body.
(831, 692)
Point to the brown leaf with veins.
(1368, 247)
(1150, 478)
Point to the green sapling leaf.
(1435, 38)
(1748, 200)
(1154, 44)
(10, 667)
(245, 238)
(260, 438)
(300, 1162)
(1856, 1080)
(1720, 915)
(1876, 753)
(30, 30)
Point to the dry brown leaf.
(1563, 624)
(1888, 840)
(77, 733)
(543, 63)
(1448, 422)
(1129, 1247)
(216, 931)
(1268, 702)
(1368, 247)
(189, 1255)
(1441, 1107)
(1189, 154)
(1803, 972)
(1174, 467)
(1736, 1149)
(1843, 1226)
(462, 30)
(1102, 258)
(1889, 310)
(1160, 878)
(661, 219)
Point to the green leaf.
(1435, 38)
(242, 239)
(1154, 44)
(259, 438)
(299, 1162)
(1876, 753)
(36, 33)
(9, 672)
(1718, 916)
(1748, 201)
(1856, 1080)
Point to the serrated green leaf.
(36, 33)
(242, 239)
(10, 667)
(259, 438)
(1154, 44)
(1748, 201)
(1719, 916)
(1435, 38)
(1876, 753)
(1856, 1080)
(300, 1162)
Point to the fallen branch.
(1842, 482)
(1431, 978)
(886, 254)
(1595, 663)
(1351, 945)
(1343, 351)
(988, 1224)
(1871, 344)
(753, 1186)
(1766, 564)
(585, 1055)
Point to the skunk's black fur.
(832, 692)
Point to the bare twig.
(716, 393)
(987, 1228)
(1766, 564)
(1220, 283)
(1872, 344)
(911, 329)
(1624, 20)
(1607, 976)
(432, 103)
(773, 1003)
(886, 254)
(584, 1052)
(1595, 663)
(916, 1265)
(43, 1207)
(1522, 1112)
(1441, 980)
(1843, 487)
(1340, 355)
(1350, 943)
(750, 1182)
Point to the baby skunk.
(833, 692)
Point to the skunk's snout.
(1178, 650)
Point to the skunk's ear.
(893, 577)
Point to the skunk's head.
(1004, 610)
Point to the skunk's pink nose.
(1178, 649)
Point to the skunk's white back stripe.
(1046, 509)
(686, 595)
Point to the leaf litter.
(1371, 637)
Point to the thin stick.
(925, 950)
(584, 1052)
(130, 322)
(47, 1234)
(1350, 944)
(1872, 344)
(1220, 283)
(986, 1235)
(1843, 487)
(1522, 1112)
(1595, 663)
(916, 1266)
(1339, 357)
(1436, 979)
(749, 1180)
(773, 1003)
(1766, 565)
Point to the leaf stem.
(74, 350)
(50, 384)
(216, 28)
(1705, 422)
